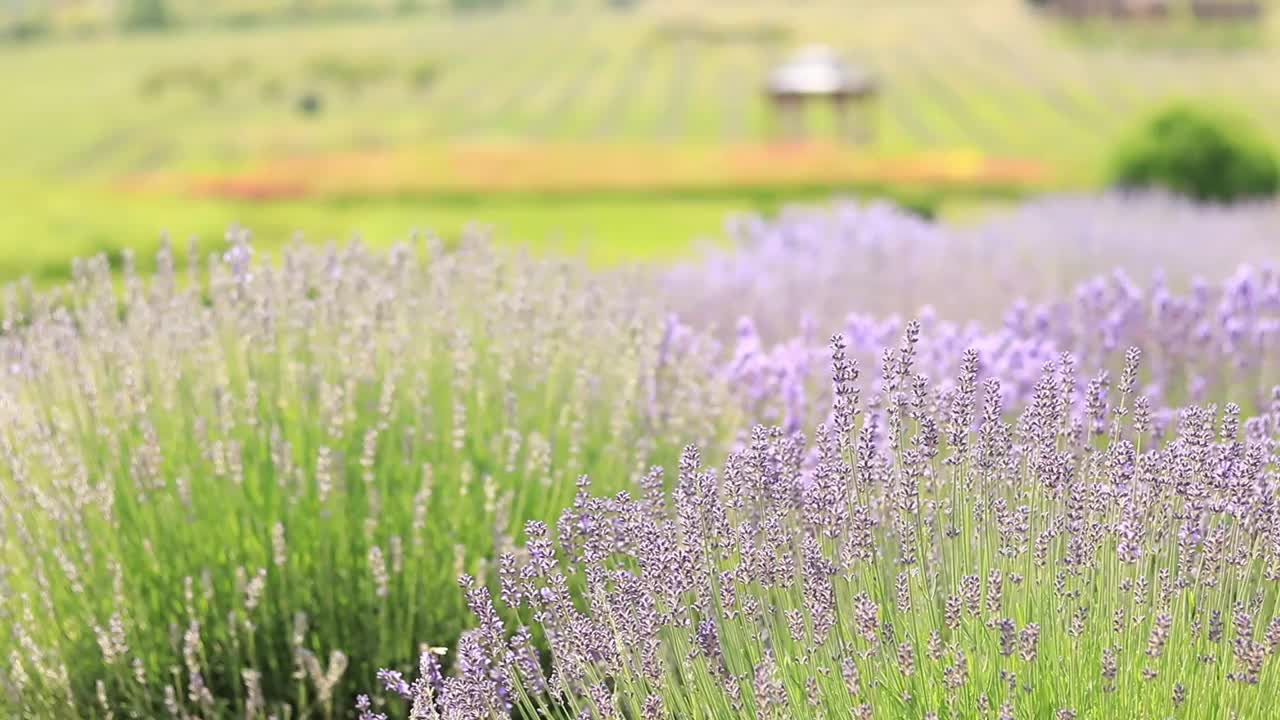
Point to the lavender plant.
(1126, 270)
(877, 260)
(1217, 340)
(238, 491)
(924, 557)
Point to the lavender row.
(808, 272)
(924, 557)
(1216, 340)
(240, 487)
(876, 259)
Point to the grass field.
(984, 78)
(55, 227)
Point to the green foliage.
(1204, 154)
(25, 30)
(924, 207)
(467, 5)
(310, 103)
(206, 81)
(423, 74)
(352, 74)
(146, 15)
(271, 88)
(710, 32)
(294, 493)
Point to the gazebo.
(819, 73)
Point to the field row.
(981, 76)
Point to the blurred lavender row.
(876, 258)
(1195, 288)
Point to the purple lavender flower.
(796, 581)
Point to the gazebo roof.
(819, 71)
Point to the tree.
(1205, 154)
(146, 14)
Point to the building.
(819, 74)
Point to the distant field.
(962, 78)
(974, 74)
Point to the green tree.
(1208, 155)
(146, 14)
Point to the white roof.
(818, 70)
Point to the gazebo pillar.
(865, 127)
(790, 114)
(844, 124)
(854, 117)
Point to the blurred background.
(622, 129)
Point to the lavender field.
(639, 360)
(859, 465)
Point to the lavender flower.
(334, 431)
(713, 601)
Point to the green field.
(83, 115)
(54, 227)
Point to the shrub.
(26, 29)
(423, 74)
(931, 560)
(240, 494)
(1205, 155)
(310, 103)
(205, 81)
(146, 14)
(271, 87)
(469, 5)
(353, 75)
